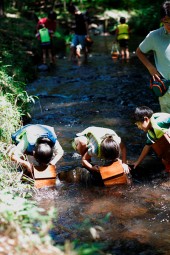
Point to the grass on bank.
(24, 227)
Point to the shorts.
(46, 46)
(123, 43)
(78, 39)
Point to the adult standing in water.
(158, 41)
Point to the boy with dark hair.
(158, 41)
(155, 125)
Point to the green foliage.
(144, 20)
(10, 119)
(89, 249)
(16, 47)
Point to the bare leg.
(122, 53)
(44, 56)
(50, 56)
(72, 53)
(127, 53)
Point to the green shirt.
(160, 124)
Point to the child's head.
(110, 149)
(80, 144)
(165, 15)
(142, 117)
(122, 20)
(43, 151)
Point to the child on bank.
(44, 35)
(105, 144)
(155, 125)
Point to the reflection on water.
(124, 220)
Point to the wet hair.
(110, 149)
(52, 15)
(122, 20)
(165, 9)
(43, 151)
(141, 112)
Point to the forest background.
(24, 227)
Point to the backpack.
(159, 88)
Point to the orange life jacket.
(113, 174)
(162, 147)
(44, 177)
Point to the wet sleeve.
(58, 150)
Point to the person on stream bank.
(39, 141)
(158, 41)
(155, 125)
(106, 145)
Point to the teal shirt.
(158, 41)
(160, 124)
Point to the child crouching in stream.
(106, 145)
(36, 148)
(157, 128)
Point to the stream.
(121, 220)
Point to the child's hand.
(28, 166)
(135, 164)
(95, 168)
(168, 132)
(126, 168)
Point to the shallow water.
(103, 92)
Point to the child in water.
(122, 36)
(102, 143)
(155, 125)
(39, 141)
(44, 35)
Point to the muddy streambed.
(103, 92)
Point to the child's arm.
(151, 68)
(17, 155)
(85, 162)
(143, 154)
(58, 152)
